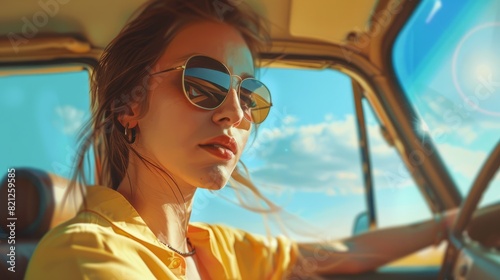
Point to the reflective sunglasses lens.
(206, 82)
(255, 100)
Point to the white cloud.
(378, 146)
(463, 161)
(493, 125)
(346, 175)
(451, 125)
(69, 119)
(467, 134)
(449, 119)
(322, 157)
(288, 120)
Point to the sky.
(305, 156)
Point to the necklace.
(186, 254)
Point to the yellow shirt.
(109, 240)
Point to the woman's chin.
(215, 178)
(213, 186)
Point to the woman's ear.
(129, 115)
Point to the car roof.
(97, 21)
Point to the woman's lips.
(218, 151)
(222, 146)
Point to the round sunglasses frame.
(183, 68)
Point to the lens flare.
(486, 85)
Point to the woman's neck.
(163, 204)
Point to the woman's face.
(197, 147)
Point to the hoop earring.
(131, 132)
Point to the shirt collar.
(115, 208)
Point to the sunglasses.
(206, 83)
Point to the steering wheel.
(456, 239)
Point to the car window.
(398, 200)
(491, 195)
(447, 62)
(41, 116)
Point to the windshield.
(448, 64)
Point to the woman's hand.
(446, 222)
(449, 217)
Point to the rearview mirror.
(361, 224)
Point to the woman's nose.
(230, 111)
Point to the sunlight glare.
(422, 127)
(437, 6)
(483, 70)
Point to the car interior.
(355, 38)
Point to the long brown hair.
(122, 76)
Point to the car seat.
(27, 213)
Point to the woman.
(174, 102)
